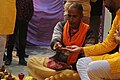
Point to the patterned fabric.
(37, 68)
(25, 9)
(57, 65)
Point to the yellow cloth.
(7, 16)
(65, 75)
(107, 45)
(37, 68)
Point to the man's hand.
(67, 49)
(74, 48)
(58, 47)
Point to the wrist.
(81, 50)
(57, 45)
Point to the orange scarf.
(76, 39)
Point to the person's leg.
(99, 70)
(2, 48)
(10, 46)
(22, 41)
(82, 65)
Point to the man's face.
(74, 17)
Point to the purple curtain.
(46, 14)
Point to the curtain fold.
(46, 14)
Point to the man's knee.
(83, 61)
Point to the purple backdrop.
(46, 14)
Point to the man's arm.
(57, 34)
(90, 38)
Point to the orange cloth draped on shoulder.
(76, 39)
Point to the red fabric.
(76, 39)
(57, 65)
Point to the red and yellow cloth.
(37, 68)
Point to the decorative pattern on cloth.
(57, 65)
(77, 39)
(37, 68)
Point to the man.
(24, 14)
(98, 65)
(86, 9)
(71, 32)
(7, 22)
